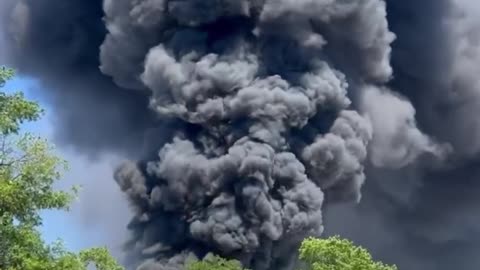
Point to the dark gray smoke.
(427, 212)
(262, 122)
(61, 51)
(254, 116)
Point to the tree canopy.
(213, 262)
(28, 170)
(337, 254)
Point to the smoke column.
(251, 121)
(262, 128)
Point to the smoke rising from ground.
(251, 118)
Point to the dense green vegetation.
(214, 263)
(337, 254)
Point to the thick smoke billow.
(397, 141)
(264, 125)
(253, 119)
(428, 212)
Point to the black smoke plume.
(62, 53)
(428, 213)
(253, 117)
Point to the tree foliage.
(337, 254)
(213, 262)
(28, 170)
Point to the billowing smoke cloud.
(245, 171)
(251, 117)
(397, 141)
(428, 213)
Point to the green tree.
(213, 262)
(337, 254)
(28, 170)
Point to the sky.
(85, 224)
